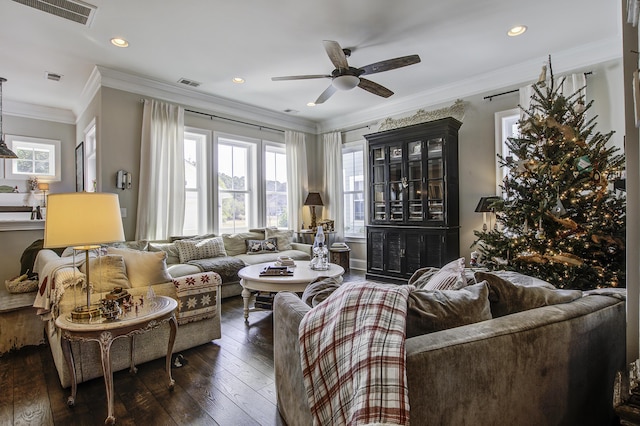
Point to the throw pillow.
(235, 244)
(449, 277)
(173, 256)
(200, 249)
(197, 296)
(508, 298)
(430, 311)
(283, 236)
(319, 290)
(422, 276)
(144, 268)
(262, 246)
(523, 280)
(106, 273)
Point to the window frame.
(278, 148)
(502, 120)
(13, 142)
(203, 176)
(360, 145)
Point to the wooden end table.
(151, 315)
(250, 279)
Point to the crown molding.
(563, 62)
(38, 112)
(144, 86)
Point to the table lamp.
(485, 205)
(83, 220)
(44, 187)
(313, 200)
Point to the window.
(195, 176)
(36, 157)
(353, 189)
(235, 183)
(506, 126)
(275, 168)
(90, 151)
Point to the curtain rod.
(212, 116)
(490, 97)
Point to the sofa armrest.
(307, 248)
(43, 257)
(203, 289)
(288, 311)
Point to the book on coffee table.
(276, 271)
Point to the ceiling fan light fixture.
(517, 30)
(345, 82)
(311, 104)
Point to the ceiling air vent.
(75, 10)
(188, 82)
(52, 76)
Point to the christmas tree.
(559, 219)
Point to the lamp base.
(85, 313)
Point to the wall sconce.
(486, 205)
(123, 179)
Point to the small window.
(506, 126)
(353, 189)
(36, 157)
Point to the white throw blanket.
(352, 349)
(55, 274)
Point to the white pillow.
(200, 249)
(144, 267)
(235, 244)
(449, 277)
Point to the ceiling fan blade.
(300, 77)
(390, 64)
(336, 54)
(374, 88)
(326, 94)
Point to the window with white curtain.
(353, 167)
(275, 168)
(196, 142)
(506, 126)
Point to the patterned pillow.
(200, 249)
(197, 296)
(284, 237)
(262, 246)
(449, 277)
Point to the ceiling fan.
(346, 77)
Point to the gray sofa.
(545, 366)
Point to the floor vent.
(75, 10)
(188, 82)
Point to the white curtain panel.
(333, 195)
(297, 176)
(161, 193)
(570, 84)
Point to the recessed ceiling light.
(517, 30)
(238, 80)
(311, 104)
(119, 42)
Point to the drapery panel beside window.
(161, 193)
(333, 186)
(297, 176)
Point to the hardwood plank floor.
(226, 382)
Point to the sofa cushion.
(319, 289)
(524, 280)
(262, 246)
(508, 298)
(284, 237)
(449, 277)
(171, 249)
(143, 267)
(200, 249)
(433, 310)
(234, 244)
(197, 296)
(107, 272)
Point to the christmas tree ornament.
(583, 164)
(558, 210)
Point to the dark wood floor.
(227, 382)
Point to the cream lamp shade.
(80, 219)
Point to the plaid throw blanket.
(352, 349)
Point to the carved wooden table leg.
(68, 356)
(106, 339)
(246, 296)
(172, 338)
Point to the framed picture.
(80, 167)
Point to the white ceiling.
(463, 46)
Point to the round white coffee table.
(250, 279)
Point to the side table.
(340, 256)
(152, 314)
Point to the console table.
(150, 315)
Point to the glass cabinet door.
(396, 183)
(379, 185)
(435, 180)
(413, 182)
